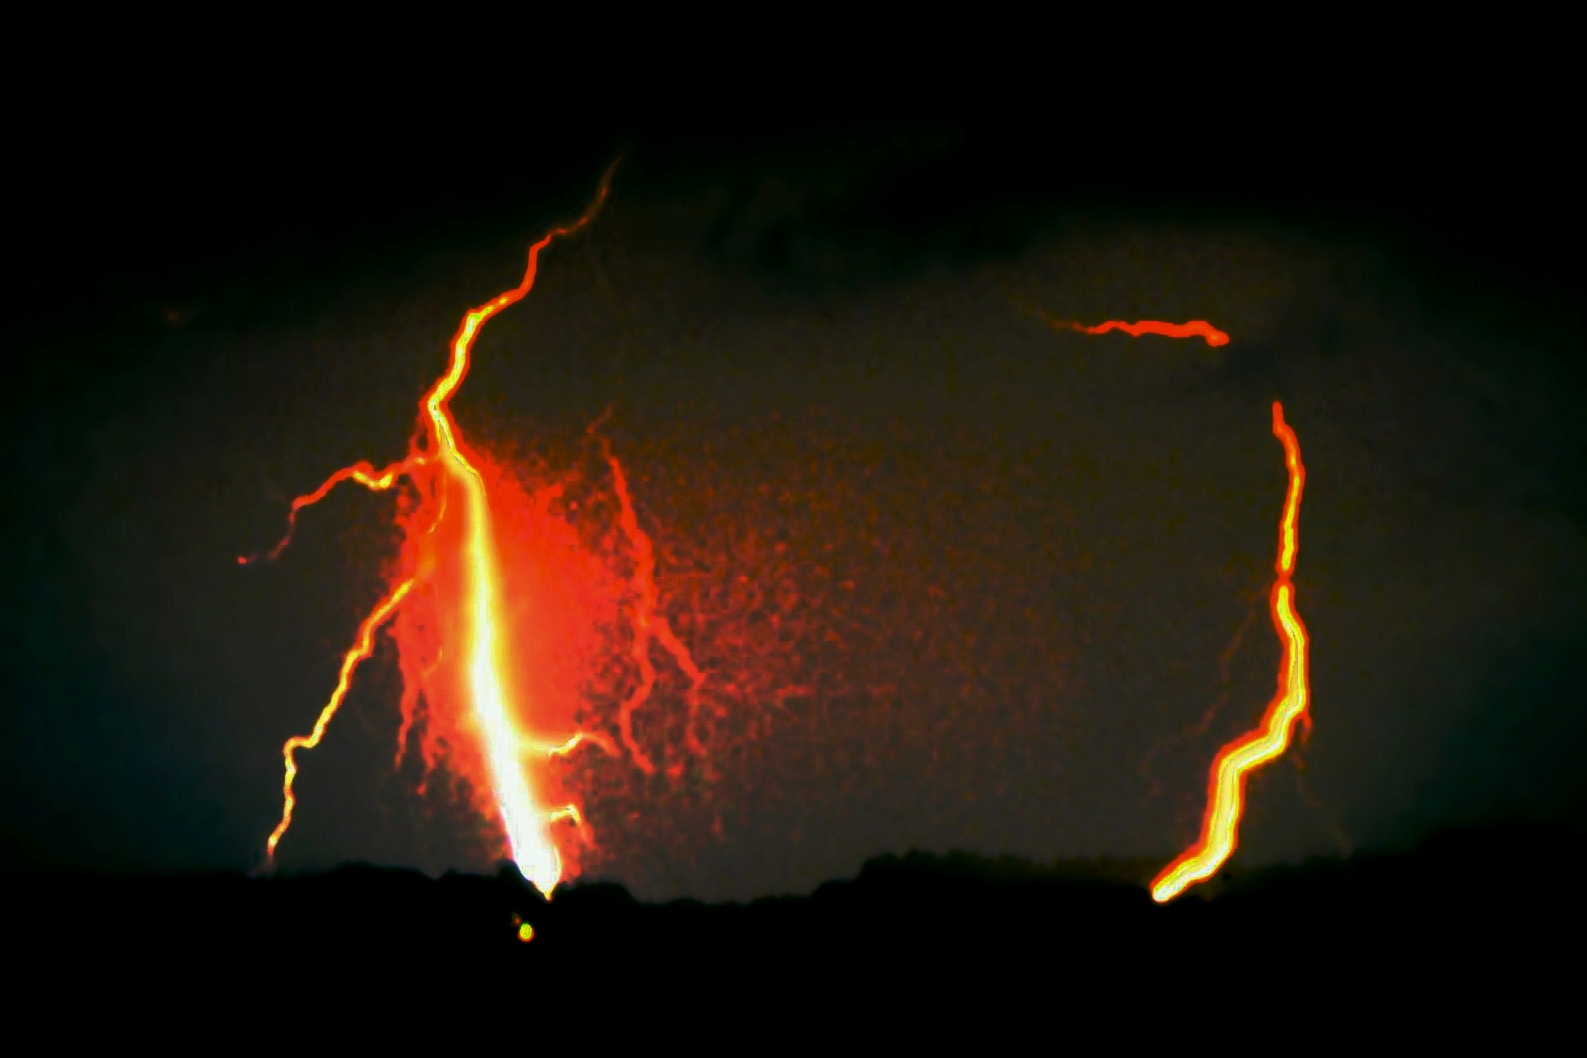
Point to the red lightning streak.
(437, 464)
(649, 624)
(1226, 788)
(1191, 329)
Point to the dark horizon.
(982, 933)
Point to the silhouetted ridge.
(1489, 905)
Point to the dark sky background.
(968, 580)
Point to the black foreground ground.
(1479, 925)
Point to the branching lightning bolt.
(525, 821)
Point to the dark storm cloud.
(877, 205)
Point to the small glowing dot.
(526, 932)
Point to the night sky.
(963, 582)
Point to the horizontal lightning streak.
(1190, 329)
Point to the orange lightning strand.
(1191, 329)
(1226, 788)
(362, 648)
(649, 624)
(526, 822)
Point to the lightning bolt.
(439, 457)
(1289, 707)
